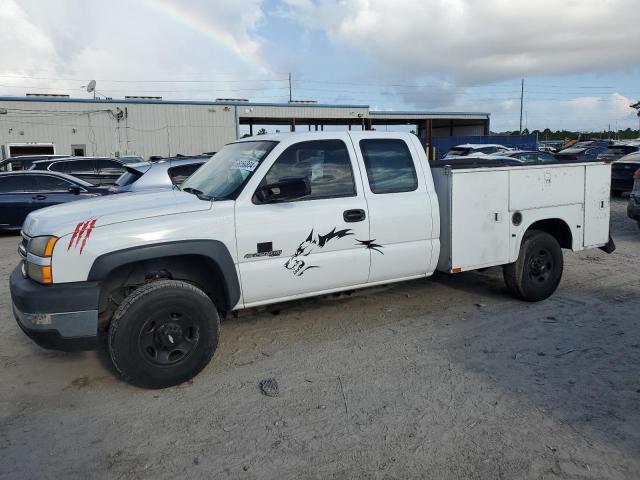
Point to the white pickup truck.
(276, 218)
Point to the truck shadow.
(574, 357)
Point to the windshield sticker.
(247, 164)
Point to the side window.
(546, 158)
(324, 163)
(389, 165)
(109, 166)
(488, 150)
(59, 167)
(181, 173)
(12, 184)
(48, 183)
(528, 157)
(73, 166)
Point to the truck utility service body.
(279, 217)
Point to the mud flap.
(609, 247)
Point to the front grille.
(22, 245)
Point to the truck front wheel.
(163, 334)
(536, 273)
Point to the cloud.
(25, 47)
(475, 42)
(123, 40)
(582, 103)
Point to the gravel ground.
(443, 378)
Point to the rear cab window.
(389, 166)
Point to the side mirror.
(286, 189)
(74, 190)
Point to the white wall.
(147, 129)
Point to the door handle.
(39, 197)
(356, 215)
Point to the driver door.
(312, 244)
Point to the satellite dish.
(91, 86)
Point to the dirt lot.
(440, 378)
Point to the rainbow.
(248, 53)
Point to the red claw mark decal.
(81, 233)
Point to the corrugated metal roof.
(422, 112)
(173, 102)
(373, 113)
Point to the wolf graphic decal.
(298, 262)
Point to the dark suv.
(24, 162)
(584, 151)
(95, 170)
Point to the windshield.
(457, 152)
(225, 174)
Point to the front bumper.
(59, 317)
(622, 184)
(633, 208)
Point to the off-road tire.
(150, 315)
(536, 274)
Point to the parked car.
(476, 161)
(139, 177)
(283, 217)
(474, 149)
(617, 151)
(95, 170)
(584, 151)
(26, 191)
(24, 162)
(622, 173)
(633, 208)
(550, 146)
(529, 156)
(129, 159)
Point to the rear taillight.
(637, 174)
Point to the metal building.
(143, 126)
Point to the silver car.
(162, 174)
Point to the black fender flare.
(214, 250)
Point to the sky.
(580, 59)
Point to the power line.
(146, 81)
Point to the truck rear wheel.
(163, 334)
(536, 273)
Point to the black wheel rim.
(168, 337)
(541, 266)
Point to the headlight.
(38, 262)
(42, 246)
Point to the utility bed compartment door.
(546, 187)
(596, 204)
(479, 219)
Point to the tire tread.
(129, 301)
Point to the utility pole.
(290, 95)
(521, 103)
